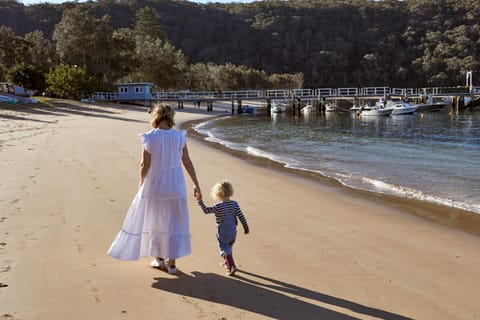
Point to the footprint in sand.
(94, 264)
(95, 295)
(6, 269)
(95, 291)
(79, 246)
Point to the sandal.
(172, 269)
(158, 263)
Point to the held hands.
(197, 193)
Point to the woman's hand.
(197, 193)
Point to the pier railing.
(331, 93)
(109, 96)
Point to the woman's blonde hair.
(222, 189)
(162, 111)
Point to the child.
(226, 212)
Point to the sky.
(27, 2)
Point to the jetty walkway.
(298, 96)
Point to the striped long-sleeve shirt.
(219, 209)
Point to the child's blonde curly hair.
(222, 190)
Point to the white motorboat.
(307, 109)
(400, 107)
(432, 106)
(279, 106)
(355, 108)
(377, 110)
(331, 107)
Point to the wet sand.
(316, 250)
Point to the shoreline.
(444, 215)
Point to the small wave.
(205, 129)
(388, 188)
(372, 185)
(271, 156)
(204, 126)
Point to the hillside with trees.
(264, 44)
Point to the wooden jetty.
(297, 98)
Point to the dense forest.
(270, 43)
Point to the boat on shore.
(8, 99)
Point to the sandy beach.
(69, 171)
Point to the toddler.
(226, 213)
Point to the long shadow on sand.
(103, 110)
(64, 108)
(267, 297)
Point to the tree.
(70, 82)
(286, 81)
(28, 76)
(148, 24)
(41, 51)
(124, 59)
(200, 77)
(85, 41)
(13, 49)
(162, 64)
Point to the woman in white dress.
(157, 222)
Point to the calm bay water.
(427, 156)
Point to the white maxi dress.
(157, 222)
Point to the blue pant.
(226, 235)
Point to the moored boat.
(431, 106)
(307, 109)
(400, 107)
(355, 108)
(249, 109)
(377, 110)
(279, 106)
(331, 107)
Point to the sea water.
(431, 157)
